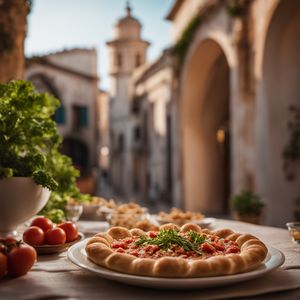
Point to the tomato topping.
(134, 253)
(119, 245)
(134, 246)
(148, 248)
(206, 247)
(129, 240)
(121, 250)
(218, 246)
(152, 234)
(155, 248)
(180, 250)
(232, 249)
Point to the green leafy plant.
(183, 43)
(235, 8)
(247, 203)
(29, 143)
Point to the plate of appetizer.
(175, 257)
(180, 217)
(49, 238)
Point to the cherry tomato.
(8, 241)
(34, 236)
(70, 229)
(3, 265)
(20, 260)
(44, 223)
(55, 236)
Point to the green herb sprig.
(166, 238)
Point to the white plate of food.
(205, 222)
(78, 256)
(181, 217)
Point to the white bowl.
(20, 199)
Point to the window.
(138, 60)
(59, 116)
(119, 60)
(121, 143)
(80, 116)
(137, 133)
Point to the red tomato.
(34, 236)
(44, 223)
(70, 229)
(3, 265)
(9, 241)
(20, 260)
(55, 236)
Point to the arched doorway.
(205, 126)
(281, 91)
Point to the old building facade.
(71, 76)
(216, 113)
(237, 91)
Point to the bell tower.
(127, 51)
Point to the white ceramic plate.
(78, 256)
(203, 223)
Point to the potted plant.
(247, 207)
(30, 162)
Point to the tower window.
(119, 60)
(138, 60)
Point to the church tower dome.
(127, 50)
(128, 27)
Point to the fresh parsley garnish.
(166, 238)
(196, 238)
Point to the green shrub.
(247, 203)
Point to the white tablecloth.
(54, 277)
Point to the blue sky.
(57, 24)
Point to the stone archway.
(205, 130)
(280, 91)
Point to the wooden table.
(54, 277)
